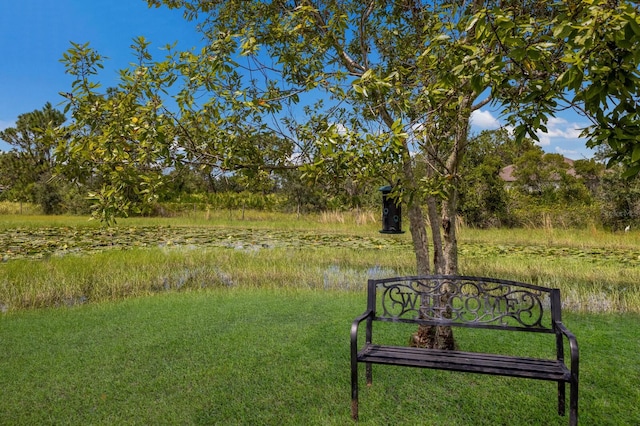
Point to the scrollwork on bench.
(465, 301)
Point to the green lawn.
(194, 321)
(268, 356)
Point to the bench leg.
(354, 391)
(369, 374)
(354, 409)
(561, 398)
(573, 403)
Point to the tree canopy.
(346, 89)
(30, 137)
(28, 168)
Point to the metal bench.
(460, 301)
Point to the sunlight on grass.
(218, 320)
(275, 356)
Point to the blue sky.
(35, 33)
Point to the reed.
(595, 271)
(19, 208)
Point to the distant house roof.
(507, 173)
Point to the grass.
(217, 320)
(267, 356)
(354, 221)
(585, 238)
(117, 274)
(68, 260)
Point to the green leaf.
(477, 83)
(472, 23)
(635, 155)
(631, 172)
(633, 24)
(505, 23)
(396, 127)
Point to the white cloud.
(562, 135)
(341, 128)
(567, 152)
(559, 128)
(484, 120)
(543, 139)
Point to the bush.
(559, 216)
(48, 196)
(75, 201)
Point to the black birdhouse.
(391, 212)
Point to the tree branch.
(352, 66)
(363, 48)
(482, 103)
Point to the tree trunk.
(450, 205)
(417, 224)
(438, 337)
(436, 237)
(446, 257)
(429, 336)
(450, 236)
(419, 238)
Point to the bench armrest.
(354, 330)
(573, 347)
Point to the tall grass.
(19, 208)
(590, 237)
(352, 222)
(584, 287)
(595, 271)
(113, 275)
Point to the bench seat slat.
(543, 369)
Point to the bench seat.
(472, 362)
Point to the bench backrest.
(465, 301)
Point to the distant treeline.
(501, 183)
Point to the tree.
(351, 89)
(603, 53)
(483, 195)
(13, 186)
(30, 163)
(597, 62)
(590, 171)
(538, 173)
(618, 195)
(620, 200)
(122, 140)
(29, 136)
